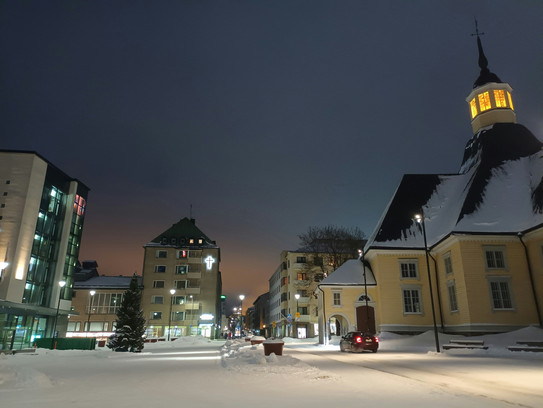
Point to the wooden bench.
(528, 345)
(465, 344)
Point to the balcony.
(304, 319)
(304, 300)
(192, 291)
(194, 275)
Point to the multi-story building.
(260, 315)
(95, 302)
(274, 314)
(461, 253)
(182, 283)
(42, 210)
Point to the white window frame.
(504, 282)
(409, 262)
(181, 267)
(412, 289)
(155, 283)
(494, 260)
(447, 261)
(160, 266)
(176, 284)
(154, 314)
(157, 300)
(336, 298)
(453, 300)
(161, 251)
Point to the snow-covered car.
(358, 342)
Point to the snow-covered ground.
(195, 372)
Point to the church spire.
(490, 101)
(485, 76)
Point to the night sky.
(268, 117)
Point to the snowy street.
(196, 372)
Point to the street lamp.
(91, 293)
(297, 296)
(241, 297)
(420, 219)
(172, 291)
(61, 284)
(191, 313)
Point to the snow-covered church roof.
(499, 189)
(351, 273)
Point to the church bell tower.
(490, 101)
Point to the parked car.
(358, 342)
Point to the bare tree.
(329, 247)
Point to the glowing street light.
(61, 283)
(172, 292)
(420, 219)
(296, 315)
(241, 297)
(91, 293)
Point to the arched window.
(362, 298)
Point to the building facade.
(42, 211)
(182, 283)
(95, 302)
(464, 252)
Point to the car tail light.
(376, 339)
(358, 339)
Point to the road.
(459, 376)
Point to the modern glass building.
(42, 210)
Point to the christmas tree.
(130, 324)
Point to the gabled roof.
(498, 190)
(180, 234)
(350, 273)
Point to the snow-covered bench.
(465, 344)
(528, 345)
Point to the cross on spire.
(477, 33)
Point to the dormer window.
(191, 241)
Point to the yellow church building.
(461, 252)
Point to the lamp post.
(191, 313)
(172, 292)
(297, 296)
(241, 297)
(420, 220)
(61, 284)
(91, 293)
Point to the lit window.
(510, 101)
(156, 315)
(182, 254)
(484, 101)
(191, 241)
(302, 276)
(473, 106)
(499, 97)
(181, 269)
(179, 300)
